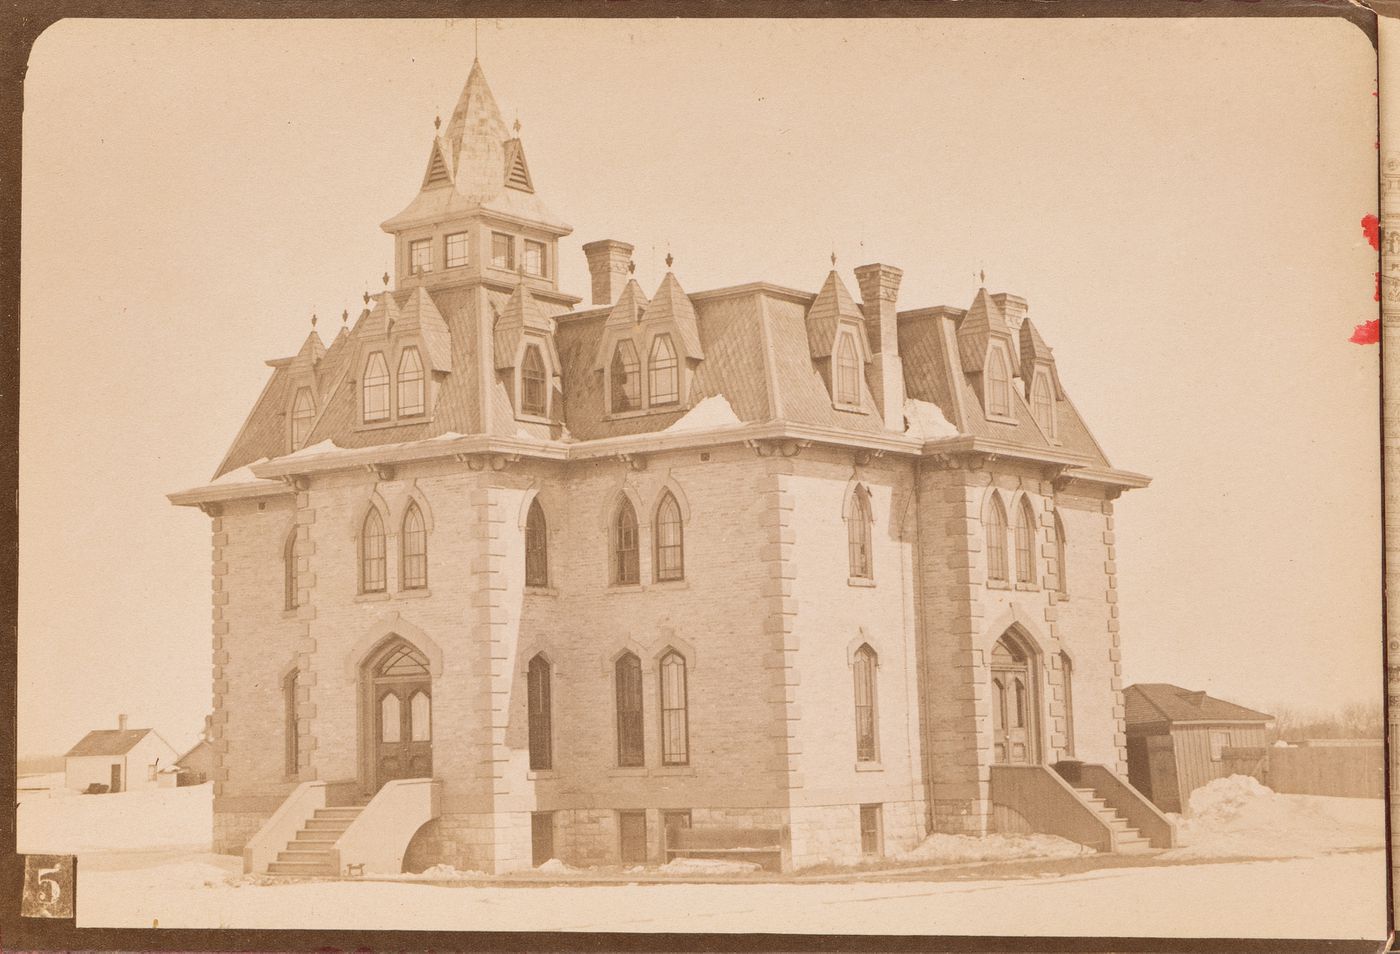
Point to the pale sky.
(1178, 200)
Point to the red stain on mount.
(1369, 333)
(1371, 227)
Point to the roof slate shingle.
(1151, 702)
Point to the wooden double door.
(1015, 707)
(401, 690)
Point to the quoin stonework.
(749, 572)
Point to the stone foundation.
(233, 830)
(830, 834)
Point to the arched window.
(291, 742)
(374, 390)
(626, 378)
(541, 742)
(675, 723)
(864, 667)
(1067, 677)
(536, 546)
(303, 416)
(1061, 557)
(291, 579)
(415, 549)
(1020, 687)
(663, 379)
(1025, 543)
(1043, 403)
(670, 544)
(624, 544)
(411, 400)
(390, 718)
(532, 382)
(627, 674)
(420, 722)
(858, 535)
(998, 383)
(847, 370)
(996, 540)
(372, 553)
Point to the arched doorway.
(398, 730)
(1015, 703)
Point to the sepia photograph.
(726, 476)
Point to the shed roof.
(1148, 702)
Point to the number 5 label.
(48, 886)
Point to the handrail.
(1127, 801)
(1048, 804)
(283, 826)
(378, 838)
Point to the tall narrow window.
(663, 378)
(291, 742)
(375, 389)
(536, 546)
(847, 371)
(420, 256)
(415, 549)
(303, 416)
(858, 535)
(502, 251)
(410, 383)
(532, 382)
(675, 727)
(456, 250)
(1019, 691)
(1025, 543)
(865, 662)
(627, 674)
(541, 751)
(998, 383)
(291, 579)
(1061, 557)
(626, 390)
(624, 541)
(372, 553)
(1043, 403)
(670, 544)
(534, 259)
(420, 718)
(996, 540)
(1067, 677)
(871, 834)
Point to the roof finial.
(833, 258)
(982, 276)
(344, 316)
(437, 121)
(631, 267)
(476, 49)
(385, 279)
(516, 127)
(669, 259)
(313, 319)
(366, 294)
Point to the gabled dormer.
(1040, 380)
(649, 350)
(840, 349)
(526, 357)
(618, 358)
(987, 350)
(403, 354)
(304, 388)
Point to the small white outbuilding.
(122, 759)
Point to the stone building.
(497, 577)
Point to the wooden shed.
(1179, 740)
(120, 759)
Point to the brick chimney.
(121, 721)
(607, 263)
(879, 290)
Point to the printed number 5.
(49, 886)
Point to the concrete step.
(350, 812)
(327, 824)
(304, 855)
(308, 839)
(302, 868)
(1133, 843)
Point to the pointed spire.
(983, 321)
(833, 303)
(476, 135)
(522, 315)
(671, 305)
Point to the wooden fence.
(1356, 771)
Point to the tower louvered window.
(437, 170)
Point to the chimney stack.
(879, 290)
(121, 722)
(607, 263)
(1014, 309)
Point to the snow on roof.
(713, 411)
(926, 421)
(244, 475)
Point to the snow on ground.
(959, 849)
(713, 411)
(706, 866)
(71, 823)
(1237, 817)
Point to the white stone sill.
(859, 581)
(1028, 587)
(998, 585)
(541, 591)
(647, 411)
(393, 422)
(377, 597)
(542, 775)
(850, 408)
(869, 767)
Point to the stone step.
(302, 868)
(327, 824)
(306, 839)
(314, 856)
(1132, 843)
(350, 812)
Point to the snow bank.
(926, 421)
(1237, 817)
(554, 866)
(713, 411)
(706, 866)
(437, 873)
(944, 849)
(126, 821)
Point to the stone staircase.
(312, 851)
(1126, 839)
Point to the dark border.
(21, 22)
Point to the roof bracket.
(381, 471)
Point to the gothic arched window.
(411, 392)
(627, 675)
(415, 549)
(847, 370)
(858, 535)
(533, 389)
(291, 579)
(626, 383)
(675, 711)
(372, 553)
(374, 390)
(537, 691)
(291, 743)
(996, 540)
(625, 569)
(1067, 678)
(670, 542)
(303, 416)
(663, 378)
(536, 546)
(864, 671)
(1061, 557)
(1025, 543)
(998, 383)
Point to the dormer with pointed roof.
(840, 349)
(987, 352)
(526, 357)
(1040, 380)
(305, 388)
(649, 350)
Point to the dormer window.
(456, 248)
(663, 383)
(375, 389)
(998, 384)
(303, 416)
(535, 259)
(1043, 403)
(626, 378)
(847, 370)
(503, 251)
(411, 397)
(532, 383)
(420, 256)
